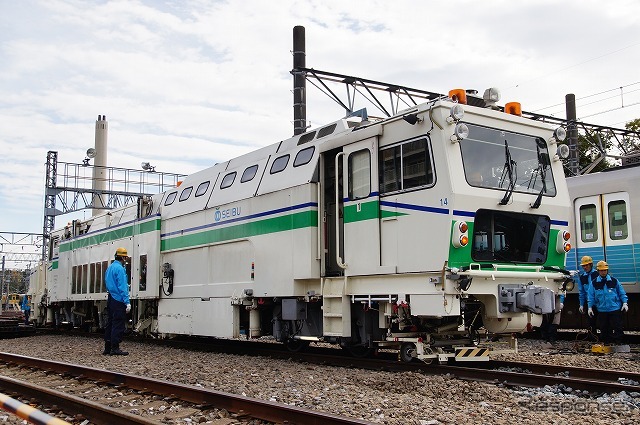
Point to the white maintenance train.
(410, 233)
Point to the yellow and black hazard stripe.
(27, 412)
(472, 352)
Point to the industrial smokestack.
(299, 81)
(100, 164)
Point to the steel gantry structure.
(71, 187)
(396, 98)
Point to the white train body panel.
(347, 233)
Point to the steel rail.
(97, 413)
(259, 409)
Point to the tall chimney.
(100, 163)
(299, 82)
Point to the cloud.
(187, 84)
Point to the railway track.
(105, 397)
(502, 372)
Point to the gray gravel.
(380, 397)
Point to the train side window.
(416, 167)
(143, 273)
(85, 277)
(390, 169)
(105, 266)
(588, 223)
(170, 198)
(618, 228)
(186, 192)
(202, 188)
(406, 166)
(249, 173)
(279, 164)
(359, 174)
(74, 280)
(99, 277)
(228, 180)
(304, 156)
(92, 278)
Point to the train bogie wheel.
(407, 352)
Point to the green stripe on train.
(271, 225)
(368, 211)
(112, 235)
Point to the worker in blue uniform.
(26, 308)
(118, 304)
(609, 297)
(587, 274)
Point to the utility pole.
(572, 134)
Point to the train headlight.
(460, 132)
(559, 134)
(456, 113)
(563, 151)
(460, 235)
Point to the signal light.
(566, 235)
(513, 108)
(567, 247)
(458, 95)
(460, 238)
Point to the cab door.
(361, 208)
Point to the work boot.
(116, 351)
(107, 348)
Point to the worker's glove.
(590, 312)
(560, 306)
(128, 308)
(625, 307)
(581, 309)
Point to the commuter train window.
(617, 213)
(359, 174)
(249, 173)
(228, 180)
(588, 223)
(279, 164)
(186, 192)
(304, 156)
(202, 188)
(406, 166)
(99, 274)
(170, 198)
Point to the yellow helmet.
(586, 260)
(602, 265)
(121, 252)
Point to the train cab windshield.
(512, 162)
(510, 237)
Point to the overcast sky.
(186, 84)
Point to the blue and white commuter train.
(413, 233)
(606, 225)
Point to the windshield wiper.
(508, 170)
(542, 169)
